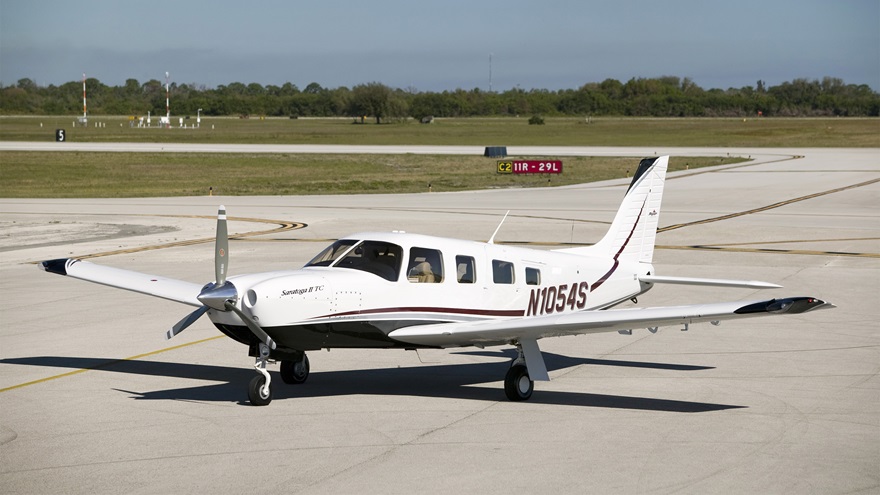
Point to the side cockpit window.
(425, 266)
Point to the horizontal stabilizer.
(745, 284)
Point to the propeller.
(220, 294)
(185, 322)
(221, 248)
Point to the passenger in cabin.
(465, 269)
(421, 272)
(425, 266)
(465, 273)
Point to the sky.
(440, 45)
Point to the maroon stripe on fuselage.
(428, 309)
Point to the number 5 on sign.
(60, 135)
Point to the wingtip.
(789, 305)
(758, 284)
(58, 266)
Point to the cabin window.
(465, 268)
(376, 257)
(331, 253)
(502, 272)
(533, 276)
(425, 266)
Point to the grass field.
(840, 132)
(32, 174)
(96, 175)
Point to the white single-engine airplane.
(398, 290)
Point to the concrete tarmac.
(94, 400)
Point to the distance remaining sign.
(530, 167)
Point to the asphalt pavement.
(94, 400)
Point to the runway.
(94, 400)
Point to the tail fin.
(632, 233)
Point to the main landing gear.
(518, 385)
(293, 371)
(519, 382)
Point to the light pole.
(167, 105)
(199, 118)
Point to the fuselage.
(364, 286)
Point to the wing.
(495, 332)
(153, 285)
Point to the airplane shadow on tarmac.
(455, 381)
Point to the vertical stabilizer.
(634, 229)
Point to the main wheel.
(256, 393)
(295, 372)
(517, 384)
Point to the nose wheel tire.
(295, 372)
(518, 385)
(258, 393)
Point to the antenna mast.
(492, 239)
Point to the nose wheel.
(260, 388)
(259, 391)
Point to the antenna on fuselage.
(492, 239)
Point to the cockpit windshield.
(376, 257)
(331, 253)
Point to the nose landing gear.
(260, 390)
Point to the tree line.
(639, 97)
